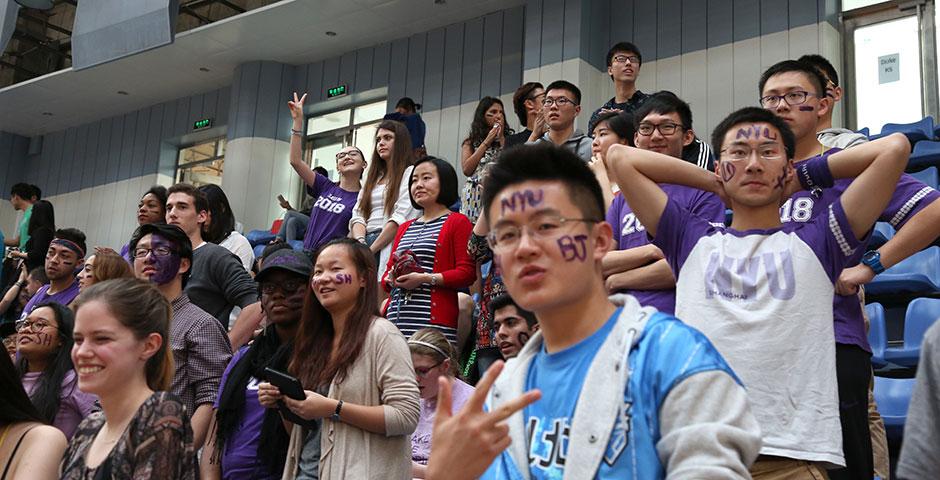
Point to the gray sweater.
(920, 450)
(218, 282)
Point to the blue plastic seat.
(925, 154)
(877, 334)
(864, 131)
(921, 314)
(919, 273)
(880, 235)
(927, 176)
(916, 131)
(893, 395)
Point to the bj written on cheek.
(573, 247)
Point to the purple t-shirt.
(764, 299)
(64, 297)
(74, 404)
(630, 233)
(909, 197)
(330, 214)
(240, 457)
(421, 438)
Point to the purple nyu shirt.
(630, 233)
(330, 214)
(64, 297)
(909, 197)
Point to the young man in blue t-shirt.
(627, 392)
(760, 290)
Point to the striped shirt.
(411, 310)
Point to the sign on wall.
(888, 68)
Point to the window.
(202, 164)
(329, 133)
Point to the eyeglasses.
(626, 58)
(561, 101)
(506, 238)
(737, 153)
(796, 97)
(30, 325)
(342, 155)
(287, 288)
(157, 252)
(666, 129)
(423, 372)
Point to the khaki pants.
(777, 468)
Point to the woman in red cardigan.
(429, 261)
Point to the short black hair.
(158, 191)
(823, 65)
(664, 102)
(623, 47)
(546, 162)
(176, 235)
(200, 202)
(408, 104)
(22, 190)
(621, 123)
(502, 301)
(566, 85)
(447, 178)
(326, 173)
(518, 100)
(39, 274)
(37, 192)
(753, 115)
(816, 78)
(73, 235)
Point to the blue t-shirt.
(667, 353)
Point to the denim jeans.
(294, 226)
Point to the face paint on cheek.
(573, 248)
(343, 278)
(522, 338)
(727, 171)
(168, 267)
(44, 339)
(521, 200)
(782, 180)
(806, 108)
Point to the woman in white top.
(220, 228)
(384, 202)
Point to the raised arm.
(638, 172)
(296, 148)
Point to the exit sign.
(336, 91)
(203, 123)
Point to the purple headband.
(69, 245)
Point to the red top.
(451, 260)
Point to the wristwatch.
(339, 408)
(873, 260)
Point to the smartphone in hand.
(289, 385)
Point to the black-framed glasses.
(796, 97)
(32, 326)
(666, 129)
(560, 101)
(142, 252)
(505, 238)
(288, 287)
(626, 58)
(423, 372)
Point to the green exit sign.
(336, 91)
(200, 124)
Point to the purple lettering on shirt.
(573, 248)
(727, 171)
(343, 278)
(782, 286)
(718, 276)
(521, 200)
(747, 272)
(167, 267)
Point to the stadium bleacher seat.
(893, 395)
(877, 334)
(864, 131)
(916, 131)
(882, 232)
(921, 314)
(927, 176)
(925, 154)
(919, 273)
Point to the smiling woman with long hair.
(357, 372)
(44, 345)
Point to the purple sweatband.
(814, 174)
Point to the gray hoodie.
(841, 138)
(578, 143)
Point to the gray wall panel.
(774, 16)
(572, 24)
(78, 155)
(472, 61)
(330, 76)
(47, 174)
(719, 27)
(746, 19)
(532, 42)
(453, 65)
(513, 33)
(104, 151)
(694, 32)
(314, 81)
(267, 100)
(7, 159)
(61, 170)
(492, 54)
(223, 105)
(382, 58)
(91, 155)
(181, 123)
(397, 75)
(434, 70)
(553, 32)
(364, 60)
(141, 130)
(414, 76)
(154, 137)
(669, 32)
(210, 106)
(114, 156)
(803, 12)
(284, 120)
(621, 22)
(347, 70)
(245, 104)
(644, 28)
(599, 39)
(127, 146)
